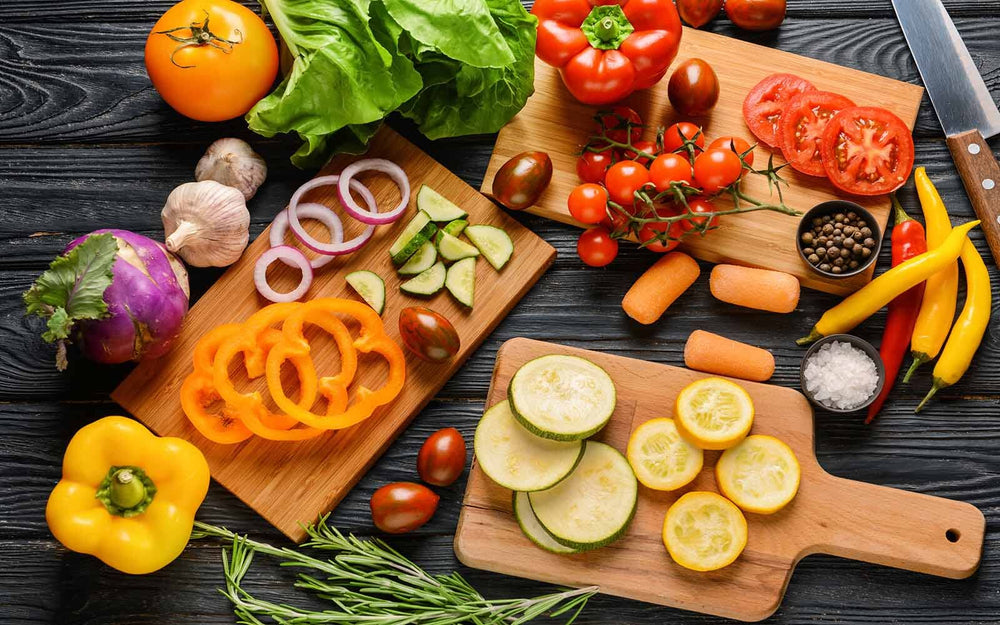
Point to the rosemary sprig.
(370, 583)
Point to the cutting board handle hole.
(953, 535)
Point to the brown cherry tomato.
(402, 507)
(693, 88)
(756, 14)
(522, 179)
(442, 457)
(697, 13)
(428, 334)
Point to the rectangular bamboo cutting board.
(554, 122)
(293, 482)
(829, 515)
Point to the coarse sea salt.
(841, 376)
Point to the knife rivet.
(988, 184)
(974, 148)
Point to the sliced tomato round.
(802, 124)
(867, 150)
(763, 105)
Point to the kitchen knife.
(962, 102)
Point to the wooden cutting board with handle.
(294, 482)
(829, 515)
(554, 122)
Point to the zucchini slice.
(454, 228)
(517, 459)
(594, 505)
(428, 282)
(414, 235)
(461, 281)
(532, 528)
(369, 286)
(494, 243)
(437, 207)
(452, 248)
(421, 261)
(562, 397)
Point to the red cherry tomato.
(442, 457)
(867, 151)
(591, 166)
(621, 125)
(802, 124)
(596, 247)
(693, 88)
(716, 169)
(736, 144)
(651, 230)
(673, 139)
(624, 179)
(697, 13)
(648, 147)
(402, 507)
(763, 105)
(756, 14)
(669, 168)
(588, 203)
(701, 204)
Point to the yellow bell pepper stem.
(969, 328)
(937, 309)
(883, 289)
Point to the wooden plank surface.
(291, 482)
(555, 122)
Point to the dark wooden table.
(86, 143)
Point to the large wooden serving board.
(829, 515)
(293, 482)
(554, 122)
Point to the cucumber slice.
(437, 207)
(421, 261)
(562, 397)
(461, 281)
(532, 528)
(454, 228)
(517, 459)
(594, 505)
(493, 242)
(414, 235)
(428, 282)
(452, 248)
(369, 286)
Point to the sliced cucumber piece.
(369, 286)
(562, 397)
(532, 528)
(421, 261)
(452, 248)
(454, 228)
(427, 282)
(594, 505)
(414, 235)
(493, 242)
(438, 207)
(517, 459)
(461, 281)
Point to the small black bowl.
(830, 208)
(861, 344)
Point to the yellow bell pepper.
(127, 496)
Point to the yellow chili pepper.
(941, 291)
(970, 326)
(883, 289)
(127, 496)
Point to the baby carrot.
(762, 289)
(712, 353)
(657, 289)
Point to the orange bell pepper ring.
(198, 391)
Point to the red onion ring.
(284, 252)
(309, 210)
(331, 248)
(372, 216)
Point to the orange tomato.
(211, 60)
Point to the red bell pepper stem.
(908, 240)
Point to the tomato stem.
(200, 35)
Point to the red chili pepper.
(908, 240)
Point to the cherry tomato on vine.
(621, 125)
(402, 507)
(693, 88)
(596, 247)
(624, 179)
(700, 204)
(673, 139)
(615, 221)
(442, 457)
(591, 166)
(736, 144)
(642, 146)
(649, 232)
(669, 168)
(588, 203)
(716, 169)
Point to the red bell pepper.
(606, 49)
(908, 240)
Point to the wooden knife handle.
(981, 175)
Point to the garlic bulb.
(233, 163)
(206, 223)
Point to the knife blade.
(962, 103)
